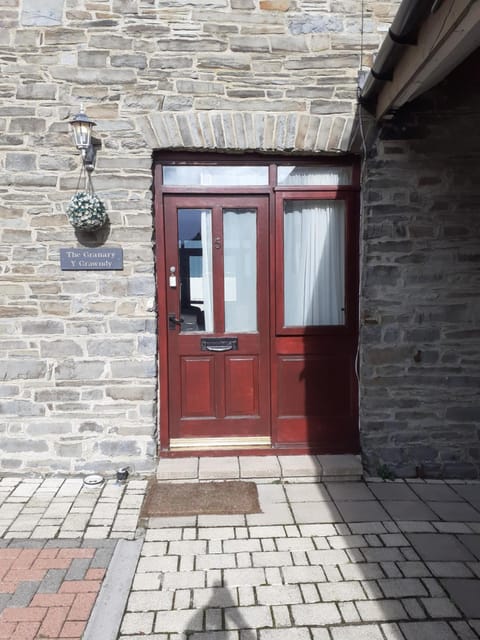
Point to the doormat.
(200, 498)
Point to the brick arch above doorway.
(247, 131)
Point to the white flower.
(86, 211)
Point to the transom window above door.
(289, 175)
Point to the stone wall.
(420, 373)
(78, 349)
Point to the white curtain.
(314, 253)
(314, 175)
(207, 268)
(240, 269)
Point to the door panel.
(314, 386)
(218, 346)
(241, 386)
(199, 374)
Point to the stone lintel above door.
(247, 131)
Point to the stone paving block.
(311, 614)
(215, 561)
(450, 569)
(274, 514)
(307, 492)
(397, 491)
(382, 554)
(378, 610)
(362, 571)
(300, 466)
(392, 631)
(341, 591)
(315, 512)
(150, 601)
(244, 577)
(356, 632)
(361, 510)
(259, 467)
(209, 635)
(348, 612)
(441, 547)
(177, 621)
(236, 520)
(440, 608)
(455, 511)
(402, 587)
(278, 595)
(310, 593)
(463, 630)
(307, 574)
(216, 597)
(248, 617)
(465, 594)
(218, 468)
(412, 526)
(183, 580)
(408, 509)
(177, 469)
(269, 493)
(336, 466)
(436, 492)
(318, 530)
(158, 563)
(299, 633)
(413, 569)
(145, 581)
(347, 542)
(333, 556)
(349, 491)
(242, 546)
(427, 631)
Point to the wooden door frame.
(159, 190)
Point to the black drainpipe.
(403, 32)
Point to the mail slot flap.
(219, 344)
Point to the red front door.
(216, 259)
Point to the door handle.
(173, 321)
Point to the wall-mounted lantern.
(86, 212)
(82, 127)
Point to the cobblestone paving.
(323, 561)
(332, 561)
(67, 508)
(58, 536)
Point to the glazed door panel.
(314, 384)
(218, 316)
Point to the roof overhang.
(445, 36)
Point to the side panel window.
(314, 262)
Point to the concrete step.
(301, 468)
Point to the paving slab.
(440, 547)
(177, 469)
(259, 467)
(300, 466)
(219, 468)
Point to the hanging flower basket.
(86, 211)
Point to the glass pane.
(240, 269)
(314, 250)
(195, 265)
(215, 176)
(314, 175)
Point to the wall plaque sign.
(104, 259)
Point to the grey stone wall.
(420, 336)
(78, 349)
